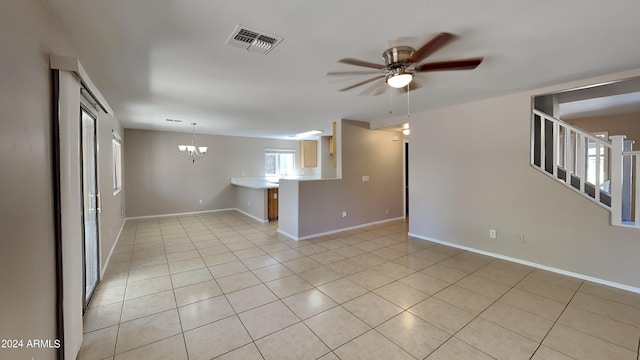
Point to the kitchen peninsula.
(257, 197)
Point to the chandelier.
(191, 151)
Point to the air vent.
(174, 120)
(253, 40)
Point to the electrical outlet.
(200, 201)
(521, 238)
(344, 214)
(493, 234)
(387, 212)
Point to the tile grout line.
(556, 321)
(430, 295)
(368, 291)
(184, 339)
(314, 287)
(480, 313)
(176, 309)
(115, 354)
(160, 312)
(126, 284)
(596, 314)
(236, 315)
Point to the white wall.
(27, 254)
(469, 172)
(628, 124)
(288, 207)
(28, 35)
(161, 181)
(112, 217)
(364, 152)
(328, 171)
(252, 202)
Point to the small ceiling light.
(399, 78)
(406, 132)
(309, 133)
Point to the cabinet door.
(309, 153)
(272, 204)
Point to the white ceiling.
(159, 59)
(601, 106)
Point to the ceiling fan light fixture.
(399, 79)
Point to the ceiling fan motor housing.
(398, 56)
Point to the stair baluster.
(561, 151)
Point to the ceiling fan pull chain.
(408, 103)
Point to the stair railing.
(585, 163)
(634, 157)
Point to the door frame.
(86, 108)
(405, 178)
(69, 80)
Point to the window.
(592, 169)
(116, 146)
(279, 162)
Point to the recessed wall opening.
(572, 139)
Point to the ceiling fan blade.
(376, 89)
(356, 62)
(461, 64)
(362, 83)
(432, 46)
(352, 73)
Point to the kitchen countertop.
(267, 182)
(255, 182)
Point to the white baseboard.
(532, 264)
(198, 212)
(179, 214)
(287, 235)
(338, 230)
(252, 216)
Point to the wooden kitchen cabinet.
(308, 153)
(272, 204)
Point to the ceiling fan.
(402, 63)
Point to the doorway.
(90, 204)
(406, 179)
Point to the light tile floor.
(223, 286)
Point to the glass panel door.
(91, 204)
